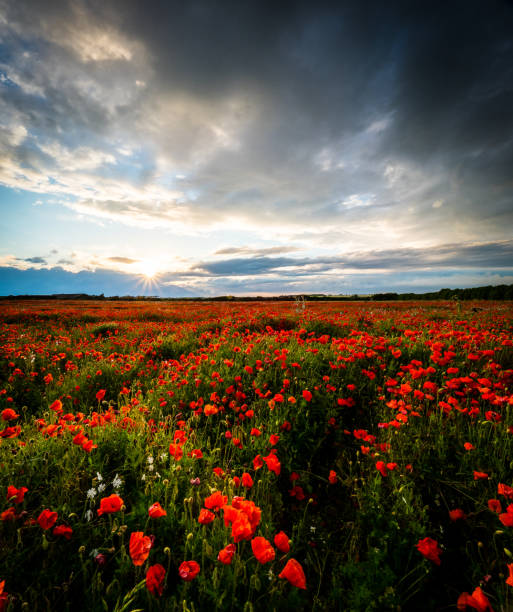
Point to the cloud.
(421, 269)
(256, 251)
(123, 260)
(316, 123)
(35, 260)
(479, 256)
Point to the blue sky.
(255, 148)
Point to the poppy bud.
(100, 559)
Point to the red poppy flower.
(140, 546)
(56, 406)
(250, 509)
(429, 548)
(506, 490)
(176, 451)
(16, 495)
(258, 462)
(509, 579)
(110, 504)
(206, 517)
(495, 505)
(457, 514)
(262, 550)
(293, 572)
(4, 597)
(88, 446)
(80, 438)
(188, 570)
(47, 519)
(477, 600)
(63, 530)
(241, 528)
(215, 501)
(281, 541)
(307, 396)
(100, 395)
(332, 478)
(247, 481)
(9, 414)
(382, 468)
(156, 511)
(225, 555)
(155, 579)
(480, 475)
(506, 519)
(210, 409)
(9, 514)
(297, 492)
(273, 463)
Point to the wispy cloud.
(450, 256)
(123, 260)
(256, 251)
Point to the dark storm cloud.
(323, 76)
(451, 256)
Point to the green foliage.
(382, 419)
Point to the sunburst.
(149, 272)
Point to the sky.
(255, 148)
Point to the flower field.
(256, 456)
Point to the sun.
(149, 269)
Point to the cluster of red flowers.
(232, 376)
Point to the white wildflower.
(91, 494)
(117, 482)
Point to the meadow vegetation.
(256, 456)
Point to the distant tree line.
(490, 292)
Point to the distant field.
(256, 456)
